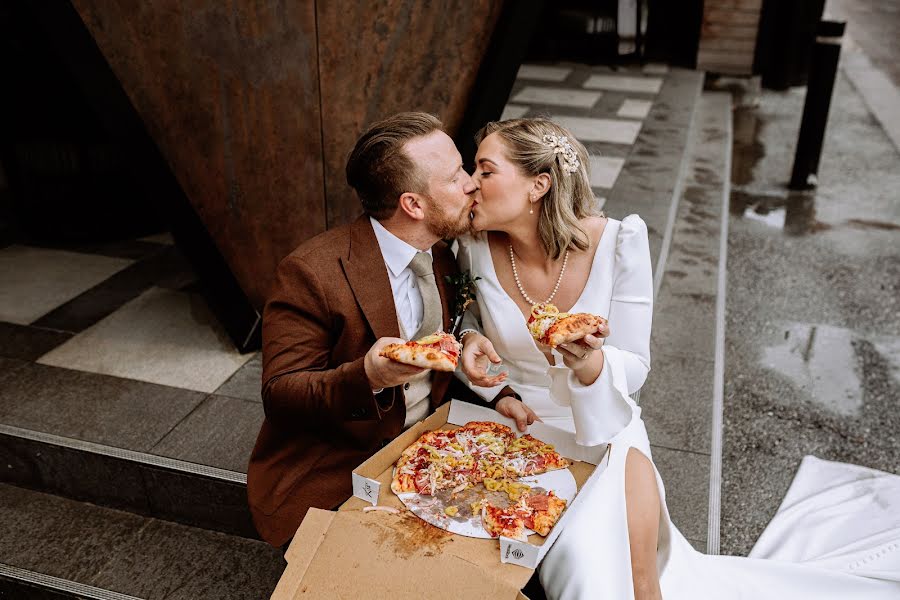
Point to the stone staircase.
(130, 509)
(682, 398)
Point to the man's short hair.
(378, 168)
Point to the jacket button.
(385, 442)
(406, 386)
(358, 413)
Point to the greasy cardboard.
(354, 554)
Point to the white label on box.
(518, 553)
(366, 489)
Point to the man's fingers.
(521, 420)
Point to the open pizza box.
(355, 554)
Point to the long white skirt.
(835, 536)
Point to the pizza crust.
(418, 356)
(572, 328)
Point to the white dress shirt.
(404, 283)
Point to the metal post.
(822, 71)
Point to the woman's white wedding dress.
(836, 535)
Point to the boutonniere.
(465, 295)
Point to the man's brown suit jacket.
(331, 300)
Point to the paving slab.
(246, 382)
(605, 170)
(676, 402)
(175, 562)
(543, 72)
(634, 109)
(129, 554)
(514, 111)
(220, 432)
(166, 268)
(614, 131)
(162, 336)
(60, 537)
(37, 280)
(624, 83)
(686, 479)
(106, 410)
(27, 342)
(555, 96)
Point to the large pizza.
(487, 456)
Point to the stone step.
(682, 398)
(154, 450)
(53, 547)
(142, 483)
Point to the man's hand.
(384, 372)
(478, 352)
(510, 406)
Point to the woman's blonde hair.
(569, 198)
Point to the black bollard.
(823, 69)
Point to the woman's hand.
(513, 408)
(584, 357)
(478, 352)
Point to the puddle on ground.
(748, 150)
(794, 212)
(826, 362)
(821, 360)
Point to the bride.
(540, 240)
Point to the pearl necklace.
(528, 299)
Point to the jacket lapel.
(368, 276)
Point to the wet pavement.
(813, 316)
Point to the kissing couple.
(527, 231)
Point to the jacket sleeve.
(300, 387)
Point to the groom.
(330, 400)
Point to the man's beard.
(446, 226)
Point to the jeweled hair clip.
(561, 145)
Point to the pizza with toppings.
(530, 456)
(438, 351)
(487, 453)
(538, 512)
(550, 327)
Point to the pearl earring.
(531, 209)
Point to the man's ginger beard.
(445, 226)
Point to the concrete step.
(53, 547)
(147, 484)
(154, 450)
(682, 398)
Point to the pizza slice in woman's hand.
(439, 351)
(550, 327)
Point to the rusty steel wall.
(256, 104)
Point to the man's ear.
(411, 204)
(541, 185)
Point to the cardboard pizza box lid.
(355, 554)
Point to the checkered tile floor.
(604, 109)
(111, 343)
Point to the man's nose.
(471, 185)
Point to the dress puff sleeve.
(601, 410)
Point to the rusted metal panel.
(379, 58)
(230, 94)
